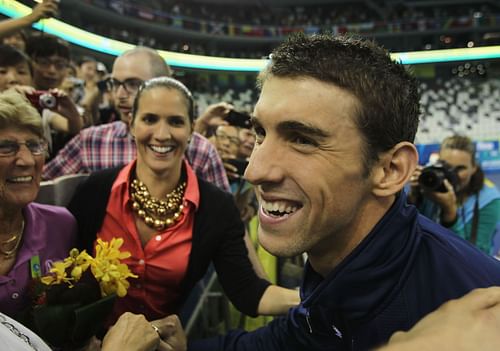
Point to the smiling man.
(335, 124)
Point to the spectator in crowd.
(172, 241)
(15, 68)
(463, 200)
(335, 124)
(16, 72)
(11, 30)
(111, 145)
(247, 142)
(29, 232)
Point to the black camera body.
(433, 176)
(239, 119)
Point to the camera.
(433, 176)
(42, 99)
(239, 119)
(239, 164)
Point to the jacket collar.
(370, 276)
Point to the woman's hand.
(447, 201)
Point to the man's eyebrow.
(296, 126)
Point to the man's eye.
(300, 140)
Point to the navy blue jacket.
(405, 268)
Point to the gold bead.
(141, 213)
(169, 222)
(135, 205)
(149, 221)
(158, 224)
(177, 215)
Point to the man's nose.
(265, 164)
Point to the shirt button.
(141, 262)
(158, 238)
(15, 295)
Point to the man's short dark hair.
(46, 45)
(10, 56)
(389, 97)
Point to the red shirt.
(162, 263)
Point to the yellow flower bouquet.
(74, 300)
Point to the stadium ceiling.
(77, 36)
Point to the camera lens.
(47, 101)
(432, 179)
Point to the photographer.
(16, 72)
(455, 193)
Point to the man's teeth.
(278, 207)
(161, 149)
(25, 179)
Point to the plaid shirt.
(111, 145)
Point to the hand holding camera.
(437, 182)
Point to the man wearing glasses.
(111, 145)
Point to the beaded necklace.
(157, 214)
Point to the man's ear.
(394, 169)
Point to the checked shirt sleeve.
(67, 161)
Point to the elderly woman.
(173, 223)
(31, 235)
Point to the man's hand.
(467, 324)
(132, 332)
(171, 334)
(212, 117)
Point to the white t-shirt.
(14, 338)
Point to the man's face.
(19, 74)
(308, 169)
(88, 71)
(15, 40)
(247, 141)
(49, 72)
(227, 141)
(132, 69)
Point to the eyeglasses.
(46, 63)
(131, 85)
(231, 139)
(11, 148)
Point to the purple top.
(49, 232)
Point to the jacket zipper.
(309, 322)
